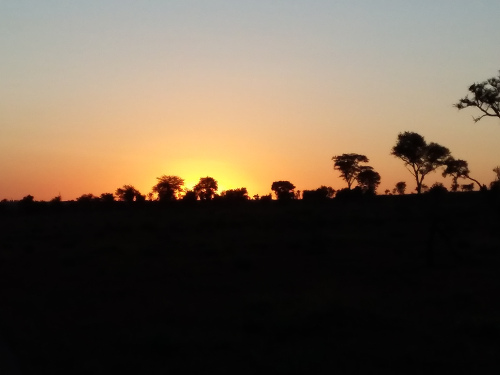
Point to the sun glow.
(226, 174)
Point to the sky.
(95, 94)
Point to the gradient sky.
(98, 94)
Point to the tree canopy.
(457, 168)
(128, 193)
(235, 195)
(485, 96)
(368, 180)
(205, 189)
(283, 189)
(168, 188)
(420, 158)
(349, 166)
(321, 193)
(400, 187)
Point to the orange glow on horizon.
(225, 173)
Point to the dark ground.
(335, 287)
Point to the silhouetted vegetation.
(107, 198)
(457, 168)
(85, 199)
(349, 166)
(129, 194)
(419, 157)
(169, 188)
(113, 286)
(495, 184)
(205, 189)
(437, 189)
(368, 180)
(235, 195)
(347, 194)
(403, 281)
(320, 194)
(467, 187)
(400, 188)
(284, 190)
(485, 96)
(266, 198)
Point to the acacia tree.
(420, 158)
(368, 180)
(168, 188)
(348, 166)
(283, 189)
(457, 168)
(205, 189)
(485, 96)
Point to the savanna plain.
(384, 284)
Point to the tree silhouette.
(27, 203)
(350, 195)
(400, 187)
(485, 96)
(457, 168)
(326, 191)
(284, 190)
(437, 189)
(266, 198)
(168, 188)
(368, 180)
(56, 200)
(467, 187)
(128, 193)
(107, 198)
(348, 166)
(235, 195)
(497, 172)
(419, 157)
(190, 196)
(205, 189)
(321, 193)
(86, 199)
(28, 199)
(495, 185)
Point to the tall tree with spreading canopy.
(420, 157)
(205, 189)
(168, 188)
(485, 96)
(457, 168)
(349, 166)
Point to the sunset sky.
(95, 94)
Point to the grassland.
(386, 285)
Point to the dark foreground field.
(326, 288)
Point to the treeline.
(419, 157)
